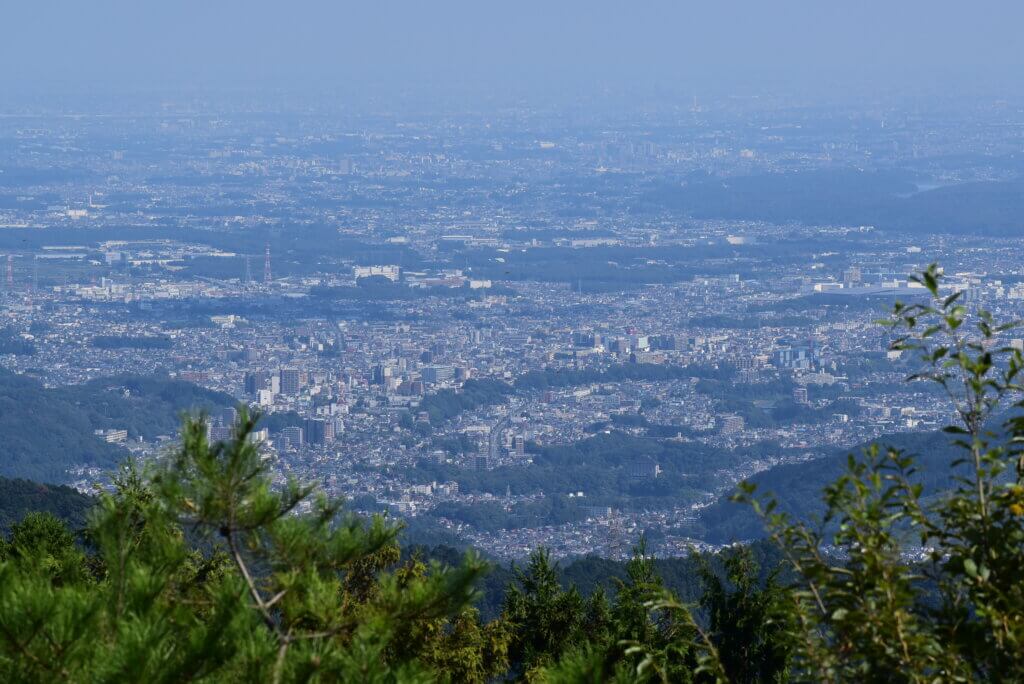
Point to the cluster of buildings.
(418, 308)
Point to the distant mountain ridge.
(888, 200)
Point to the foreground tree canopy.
(204, 569)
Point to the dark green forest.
(21, 497)
(48, 430)
(447, 403)
(797, 486)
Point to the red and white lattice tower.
(266, 265)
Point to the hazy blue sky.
(521, 44)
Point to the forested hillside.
(48, 430)
(20, 497)
(799, 486)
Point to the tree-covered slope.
(46, 431)
(798, 486)
(19, 497)
(145, 406)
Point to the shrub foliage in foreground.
(204, 571)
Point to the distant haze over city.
(540, 49)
